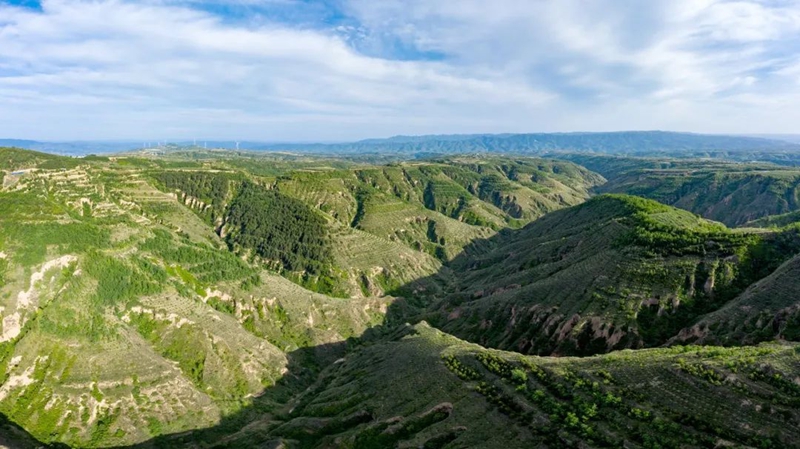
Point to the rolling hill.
(143, 297)
(423, 214)
(615, 272)
(237, 300)
(449, 393)
(732, 193)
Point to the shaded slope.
(767, 310)
(612, 273)
(418, 387)
(14, 437)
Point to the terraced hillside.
(440, 207)
(435, 209)
(446, 393)
(124, 316)
(615, 272)
(775, 221)
(141, 297)
(218, 301)
(732, 193)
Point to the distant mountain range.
(74, 148)
(639, 143)
(626, 142)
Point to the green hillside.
(212, 299)
(439, 207)
(419, 387)
(615, 272)
(731, 193)
(767, 310)
(143, 296)
(125, 316)
(775, 221)
(436, 209)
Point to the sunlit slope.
(732, 193)
(284, 234)
(615, 272)
(423, 214)
(427, 389)
(775, 221)
(123, 316)
(440, 206)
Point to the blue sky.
(314, 70)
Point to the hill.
(448, 393)
(615, 272)
(732, 193)
(443, 204)
(123, 315)
(622, 142)
(423, 214)
(237, 300)
(775, 221)
(142, 297)
(767, 310)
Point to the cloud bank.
(286, 70)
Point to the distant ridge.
(73, 148)
(636, 143)
(623, 142)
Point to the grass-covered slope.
(19, 159)
(291, 236)
(775, 221)
(731, 193)
(14, 437)
(124, 316)
(615, 272)
(424, 388)
(435, 209)
(482, 192)
(177, 303)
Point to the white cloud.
(171, 69)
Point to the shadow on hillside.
(274, 404)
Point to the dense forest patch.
(279, 228)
